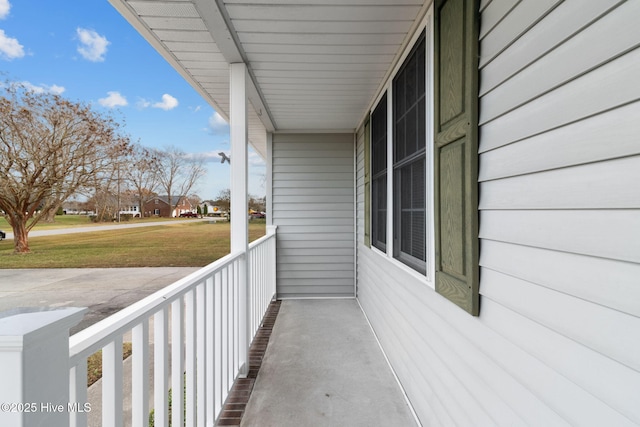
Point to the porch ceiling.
(314, 65)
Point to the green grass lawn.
(194, 244)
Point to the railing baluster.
(160, 369)
(244, 310)
(177, 362)
(210, 350)
(235, 329)
(261, 299)
(112, 383)
(259, 289)
(272, 266)
(190, 359)
(78, 393)
(140, 374)
(201, 358)
(225, 331)
(218, 376)
(255, 293)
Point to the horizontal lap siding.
(313, 207)
(559, 173)
(556, 340)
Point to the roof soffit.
(312, 65)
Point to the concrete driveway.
(103, 290)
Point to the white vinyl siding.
(313, 205)
(556, 340)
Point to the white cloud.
(58, 90)
(217, 124)
(168, 102)
(10, 48)
(255, 159)
(142, 103)
(93, 46)
(5, 6)
(114, 99)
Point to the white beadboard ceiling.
(314, 65)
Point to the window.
(409, 160)
(379, 175)
(408, 163)
(432, 175)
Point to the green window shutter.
(367, 183)
(456, 152)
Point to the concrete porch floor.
(323, 367)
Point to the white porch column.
(269, 180)
(34, 366)
(239, 130)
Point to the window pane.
(379, 175)
(418, 184)
(421, 119)
(399, 95)
(410, 82)
(418, 245)
(411, 129)
(411, 179)
(379, 137)
(420, 66)
(379, 212)
(399, 133)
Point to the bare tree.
(50, 148)
(178, 173)
(224, 199)
(257, 203)
(105, 201)
(142, 173)
(195, 200)
(107, 185)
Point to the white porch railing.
(194, 329)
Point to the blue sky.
(85, 51)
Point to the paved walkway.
(116, 226)
(323, 367)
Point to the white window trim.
(429, 277)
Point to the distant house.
(212, 210)
(159, 206)
(130, 210)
